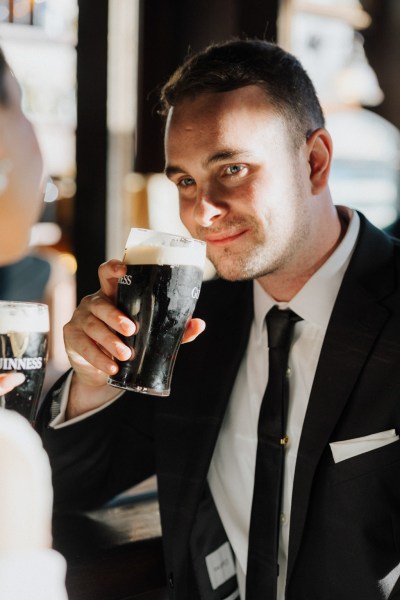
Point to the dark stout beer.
(23, 347)
(160, 299)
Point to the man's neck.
(284, 285)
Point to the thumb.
(194, 328)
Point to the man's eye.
(186, 182)
(234, 169)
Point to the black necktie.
(262, 562)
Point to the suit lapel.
(355, 324)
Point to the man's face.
(243, 188)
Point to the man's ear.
(319, 146)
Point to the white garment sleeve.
(60, 401)
(29, 568)
(34, 574)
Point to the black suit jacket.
(345, 521)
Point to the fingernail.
(18, 378)
(124, 353)
(128, 327)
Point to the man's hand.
(92, 343)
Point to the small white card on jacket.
(348, 448)
(220, 565)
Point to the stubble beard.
(246, 265)
(261, 258)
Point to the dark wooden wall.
(169, 29)
(91, 144)
(382, 47)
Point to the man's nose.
(208, 210)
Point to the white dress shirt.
(231, 481)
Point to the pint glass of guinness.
(159, 293)
(24, 328)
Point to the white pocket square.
(349, 448)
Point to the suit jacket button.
(171, 580)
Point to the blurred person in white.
(29, 567)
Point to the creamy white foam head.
(23, 316)
(146, 247)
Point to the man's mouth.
(224, 238)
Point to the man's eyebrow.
(173, 170)
(214, 158)
(225, 155)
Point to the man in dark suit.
(247, 148)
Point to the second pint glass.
(159, 293)
(24, 328)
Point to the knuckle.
(97, 300)
(101, 269)
(69, 329)
(87, 300)
(91, 324)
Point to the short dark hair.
(238, 63)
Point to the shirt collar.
(314, 302)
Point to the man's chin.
(243, 272)
(234, 274)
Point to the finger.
(104, 310)
(8, 381)
(95, 343)
(88, 373)
(109, 273)
(194, 328)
